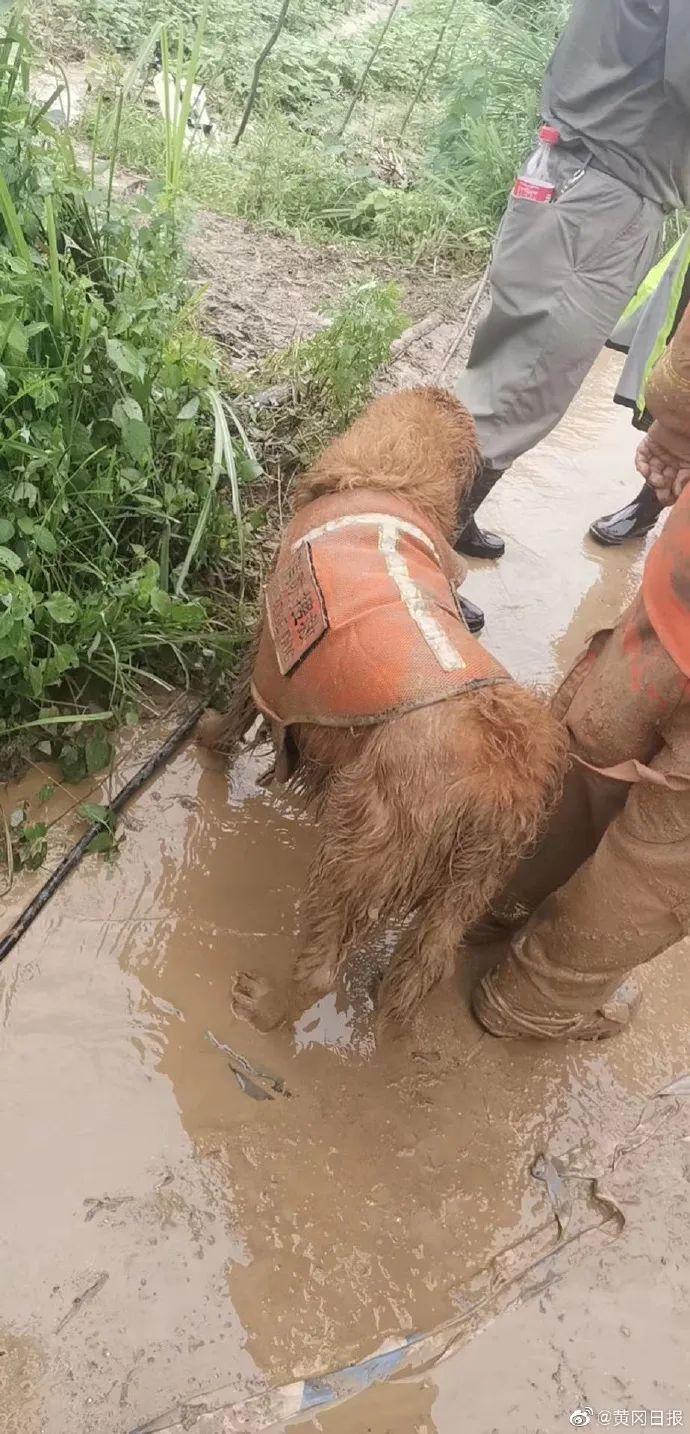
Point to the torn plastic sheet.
(661, 1108)
(282, 1404)
(554, 1177)
(221, 1412)
(679, 1088)
(250, 1080)
(556, 1173)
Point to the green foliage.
(463, 140)
(341, 361)
(464, 143)
(234, 31)
(107, 436)
(331, 374)
(494, 111)
(106, 842)
(26, 840)
(290, 180)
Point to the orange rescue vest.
(361, 622)
(666, 584)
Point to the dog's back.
(361, 620)
(418, 446)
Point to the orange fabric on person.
(361, 622)
(666, 584)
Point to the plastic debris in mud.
(258, 1085)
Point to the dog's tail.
(524, 756)
(223, 731)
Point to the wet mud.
(194, 1214)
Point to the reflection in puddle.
(334, 1025)
(324, 1025)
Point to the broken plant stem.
(427, 71)
(365, 72)
(465, 326)
(261, 60)
(416, 331)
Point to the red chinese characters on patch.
(295, 610)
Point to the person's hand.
(663, 470)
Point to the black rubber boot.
(473, 541)
(472, 614)
(476, 542)
(634, 521)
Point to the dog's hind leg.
(461, 890)
(340, 912)
(424, 955)
(466, 867)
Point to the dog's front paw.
(255, 999)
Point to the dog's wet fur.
(421, 818)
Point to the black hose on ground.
(73, 857)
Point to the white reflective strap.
(367, 520)
(445, 653)
(411, 595)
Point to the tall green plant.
(178, 89)
(494, 109)
(109, 482)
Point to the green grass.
(330, 375)
(289, 180)
(129, 490)
(128, 499)
(115, 505)
(461, 145)
(494, 109)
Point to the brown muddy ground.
(263, 292)
(167, 1235)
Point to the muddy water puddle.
(189, 1206)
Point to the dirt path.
(170, 1235)
(263, 291)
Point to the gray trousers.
(561, 276)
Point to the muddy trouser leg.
(561, 276)
(627, 904)
(584, 811)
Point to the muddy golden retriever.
(429, 769)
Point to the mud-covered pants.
(609, 886)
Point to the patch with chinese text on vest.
(295, 610)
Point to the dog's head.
(419, 444)
(458, 445)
